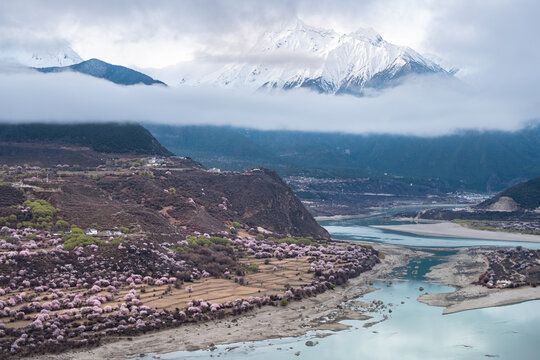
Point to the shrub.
(41, 209)
(115, 241)
(7, 220)
(252, 267)
(294, 240)
(26, 224)
(62, 225)
(77, 237)
(284, 302)
(45, 225)
(204, 241)
(236, 225)
(215, 259)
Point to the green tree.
(61, 225)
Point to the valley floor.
(449, 229)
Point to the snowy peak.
(302, 56)
(39, 55)
(367, 34)
(297, 37)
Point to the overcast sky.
(494, 43)
(157, 33)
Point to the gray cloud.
(224, 23)
(281, 58)
(424, 106)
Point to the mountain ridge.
(525, 195)
(473, 160)
(321, 60)
(117, 74)
(101, 137)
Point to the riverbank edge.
(322, 312)
(453, 230)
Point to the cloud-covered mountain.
(466, 160)
(39, 55)
(115, 73)
(58, 56)
(302, 56)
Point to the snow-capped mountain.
(39, 56)
(302, 56)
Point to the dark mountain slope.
(525, 195)
(127, 186)
(115, 73)
(471, 160)
(101, 137)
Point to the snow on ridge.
(56, 55)
(341, 62)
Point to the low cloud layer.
(423, 106)
(492, 43)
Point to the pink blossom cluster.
(511, 268)
(26, 239)
(73, 298)
(90, 268)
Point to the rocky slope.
(523, 196)
(176, 198)
(104, 175)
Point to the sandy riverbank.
(317, 313)
(461, 271)
(452, 230)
